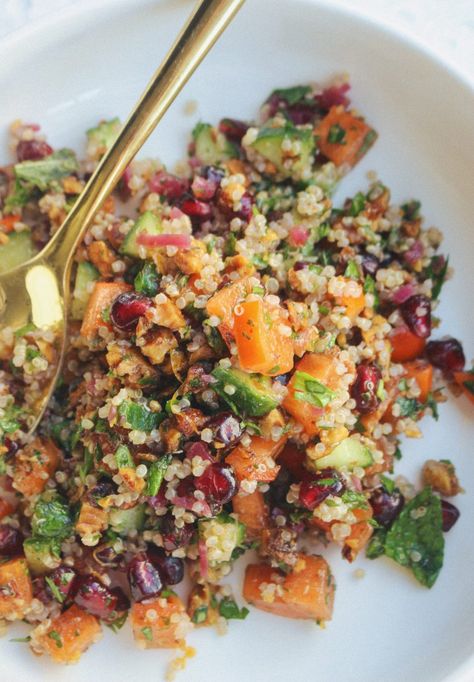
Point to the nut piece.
(441, 476)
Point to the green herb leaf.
(411, 210)
(437, 271)
(43, 172)
(54, 634)
(415, 539)
(388, 484)
(352, 270)
(357, 204)
(124, 458)
(410, 407)
(370, 288)
(354, 500)
(156, 471)
(146, 282)
(292, 95)
(376, 546)
(118, 623)
(22, 640)
(310, 390)
(147, 633)
(229, 609)
(139, 417)
(52, 517)
(55, 591)
(336, 134)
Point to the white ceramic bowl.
(92, 61)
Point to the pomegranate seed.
(450, 515)
(198, 449)
(11, 541)
(12, 448)
(334, 96)
(173, 537)
(185, 487)
(94, 597)
(386, 506)
(168, 185)
(316, 490)
(447, 354)
(370, 264)
(171, 568)
(204, 189)
(364, 388)
(145, 580)
(246, 209)
(196, 209)
(233, 129)
(65, 579)
(32, 150)
(226, 429)
(39, 590)
(300, 265)
(217, 483)
(416, 311)
(127, 309)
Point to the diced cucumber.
(122, 521)
(348, 454)
(17, 250)
(147, 223)
(86, 274)
(101, 137)
(226, 532)
(253, 395)
(211, 147)
(269, 144)
(42, 554)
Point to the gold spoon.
(38, 291)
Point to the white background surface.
(446, 26)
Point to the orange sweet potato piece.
(7, 223)
(223, 302)
(34, 465)
(252, 512)
(16, 590)
(307, 592)
(422, 372)
(69, 635)
(321, 366)
(161, 622)
(261, 344)
(361, 532)
(102, 296)
(466, 381)
(405, 345)
(354, 305)
(256, 462)
(343, 137)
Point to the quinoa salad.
(244, 357)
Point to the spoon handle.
(203, 28)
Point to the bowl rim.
(33, 34)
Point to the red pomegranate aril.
(65, 579)
(174, 537)
(416, 312)
(334, 96)
(12, 448)
(386, 506)
(246, 208)
(185, 487)
(168, 185)
(198, 449)
(145, 580)
(11, 541)
(95, 598)
(233, 129)
(226, 429)
(365, 387)
(127, 309)
(217, 483)
(450, 515)
(196, 209)
(315, 490)
(171, 568)
(447, 354)
(203, 188)
(32, 150)
(370, 264)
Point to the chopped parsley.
(357, 204)
(337, 134)
(352, 270)
(200, 615)
(147, 633)
(118, 623)
(229, 610)
(156, 471)
(54, 634)
(55, 591)
(146, 282)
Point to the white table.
(446, 26)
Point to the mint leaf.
(146, 282)
(310, 390)
(156, 471)
(43, 172)
(229, 609)
(139, 417)
(415, 539)
(376, 546)
(292, 95)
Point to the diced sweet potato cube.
(405, 345)
(160, 623)
(68, 636)
(256, 462)
(422, 372)
(15, 589)
(34, 465)
(343, 137)
(307, 592)
(252, 512)
(6, 508)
